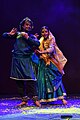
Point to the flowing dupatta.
(58, 58)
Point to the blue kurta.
(22, 64)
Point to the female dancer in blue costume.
(22, 66)
(50, 69)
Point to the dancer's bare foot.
(37, 103)
(64, 102)
(21, 104)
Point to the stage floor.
(50, 111)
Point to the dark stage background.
(62, 17)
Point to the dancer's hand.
(13, 31)
(38, 51)
(24, 34)
(36, 35)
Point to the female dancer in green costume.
(50, 69)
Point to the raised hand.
(13, 31)
(36, 35)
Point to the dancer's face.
(27, 26)
(45, 33)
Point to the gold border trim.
(22, 79)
